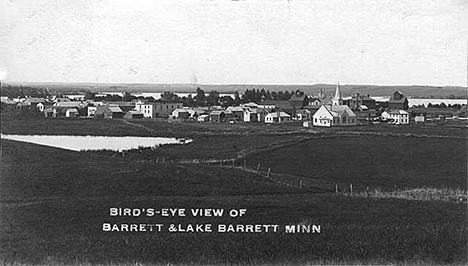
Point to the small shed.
(180, 114)
(71, 112)
(133, 115)
(237, 113)
(109, 112)
(203, 118)
(277, 117)
(217, 116)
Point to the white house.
(203, 118)
(255, 114)
(41, 107)
(274, 117)
(399, 117)
(71, 112)
(92, 111)
(157, 109)
(334, 115)
(420, 118)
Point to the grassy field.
(53, 204)
(373, 161)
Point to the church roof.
(299, 98)
(339, 110)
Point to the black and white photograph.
(233, 132)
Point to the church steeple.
(321, 95)
(337, 100)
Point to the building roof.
(338, 110)
(275, 103)
(256, 110)
(312, 99)
(397, 97)
(216, 112)
(282, 114)
(235, 109)
(34, 100)
(135, 112)
(7, 100)
(122, 103)
(62, 100)
(398, 112)
(114, 109)
(299, 98)
(250, 104)
(181, 110)
(68, 104)
(308, 107)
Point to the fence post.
(244, 164)
(336, 188)
(157, 159)
(268, 175)
(233, 160)
(351, 188)
(301, 184)
(258, 167)
(164, 160)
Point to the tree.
(188, 101)
(213, 98)
(170, 97)
(200, 98)
(227, 101)
(274, 95)
(237, 99)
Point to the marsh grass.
(444, 194)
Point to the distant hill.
(374, 90)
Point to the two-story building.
(157, 109)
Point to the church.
(334, 114)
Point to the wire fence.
(310, 184)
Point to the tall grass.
(445, 194)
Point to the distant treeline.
(26, 91)
(21, 92)
(212, 98)
(441, 105)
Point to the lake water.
(419, 101)
(78, 143)
(157, 95)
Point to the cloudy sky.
(385, 42)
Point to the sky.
(417, 42)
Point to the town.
(253, 106)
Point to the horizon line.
(223, 84)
